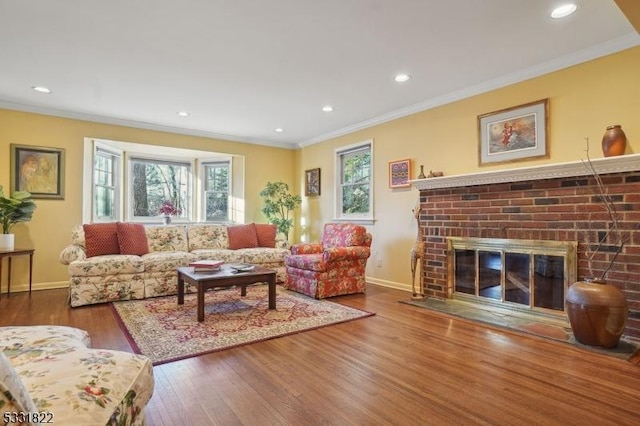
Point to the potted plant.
(168, 209)
(278, 204)
(598, 310)
(19, 207)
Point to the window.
(129, 181)
(152, 182)
(216, 191)
(106, 190)
(355, 182)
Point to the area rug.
(551, 328)
(165, 331)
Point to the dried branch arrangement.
(611, 240)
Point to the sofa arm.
(72, 252)
(343, 253)
(313, 248)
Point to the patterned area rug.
(164, 331)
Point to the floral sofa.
(333, 267)
(49, 374)
(142, 261)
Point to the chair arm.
(72, 252)
(344, 253)
(313, 248)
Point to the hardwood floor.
(404, 366)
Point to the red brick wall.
(565, 209)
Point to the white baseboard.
(390, 284)
(17, 288)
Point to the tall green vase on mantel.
(597, 312)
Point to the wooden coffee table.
(226, 277)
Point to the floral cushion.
(106, 265)
(207, 237)
(166, 261)
(167, 238)
(344, 235)
(78, 385)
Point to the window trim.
(338, 153)
(201, 188)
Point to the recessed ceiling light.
(41, 89)
(183, 113)
(401, 78)
(564, 10)
(327, 108)
(279, 130)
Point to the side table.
(10, 254)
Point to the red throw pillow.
(101, 239)
(242, 236)
(266, 234)
(132, 239)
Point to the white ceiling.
(244, 67)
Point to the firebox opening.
(527, 274)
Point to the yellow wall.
(584, 99)
(49, 231)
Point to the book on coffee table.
(206, 265)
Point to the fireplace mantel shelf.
(623, 163)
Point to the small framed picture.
(514, 134)
(312, 183)
(399, 173)
(38, 170)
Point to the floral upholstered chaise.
(334, 267)
(121, 261)
(50, 375)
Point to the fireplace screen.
(525, 273)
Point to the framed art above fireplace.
(514, 134)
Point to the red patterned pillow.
(101, 239)
(266, 234)
(132, 239)
(242, 236)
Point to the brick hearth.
(558, 202)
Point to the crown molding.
(138, 124)
(619, 164)
(584, 55)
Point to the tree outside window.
(355, 198)
(216, 191)
(154, 182)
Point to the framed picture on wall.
(38, 170)
(399, 173)
(312, 183)
(514, 134)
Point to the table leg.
(180, 289)
(9, 278)
(200, 302)
(272, 292)
(243, 290)
(30, 271)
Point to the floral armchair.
(334, 267)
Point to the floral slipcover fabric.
(332, 268)
(116, 277)
(74, 384)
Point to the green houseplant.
(19, 207)
(278, 204)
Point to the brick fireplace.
(558, 202)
